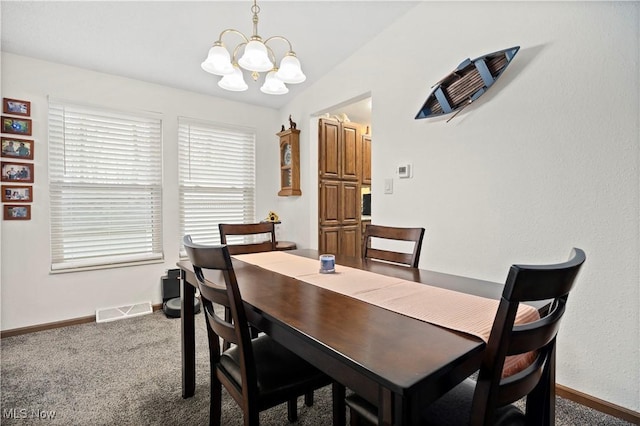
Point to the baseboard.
(598, 404)
(562, 391)
(57, 324)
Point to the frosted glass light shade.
(290, 70)
(234, 81)
(218, 61)
(255, 57)
(273, 85)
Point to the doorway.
(344, 177)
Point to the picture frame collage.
(17, 159)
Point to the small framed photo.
(16, 107)
(17, 126)
(12, 212)
(17, 194)
(17, 172)
(17, 148)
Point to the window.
(217, 178)
(105, 183)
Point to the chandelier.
(256, 57)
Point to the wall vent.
(128, 311)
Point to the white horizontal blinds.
(105, 182)
(217, 178)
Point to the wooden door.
(350, 211)
(350, 240)
(340, 240)
(330, 196)
(329, 239)
(339, 169)
(328, 149)
(366, 159)
(350, 151)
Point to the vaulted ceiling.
(164, 42)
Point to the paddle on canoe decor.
(466, 83)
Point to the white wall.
(547, 160)
(30, 294)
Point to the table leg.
(339, 407)
(394, 409)
(188, 338)
(386, 400)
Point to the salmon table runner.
(447, 308)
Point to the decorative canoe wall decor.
(466, 83)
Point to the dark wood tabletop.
(397, 362)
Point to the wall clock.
(289, 162)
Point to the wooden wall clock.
(289, 162)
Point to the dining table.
(394, 360)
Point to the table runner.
(447, 308)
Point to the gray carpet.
(127, 372)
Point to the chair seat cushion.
(279, 371)
(453, 409)
(515, 363)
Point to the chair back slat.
(211, 296)
(541, 282)
(250, 248)
(524, 283)
(522, 382)
(390, 256)
(414, 235)
(532, 336)
(248, 230)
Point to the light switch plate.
(388, 186)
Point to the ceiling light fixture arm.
(234, 58)
(277, 37)
(220, 43)
(232, 30)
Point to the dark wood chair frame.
(227, 229)
(393, 233)
(524, 283)
(246, 394)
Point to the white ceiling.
(164, 42)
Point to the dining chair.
(250, 231)
(414, 235)
(488, 401)
(258, 373)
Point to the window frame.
(195, 179)
(86, 142)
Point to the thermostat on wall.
(404, 171)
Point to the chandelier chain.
(255, 9)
